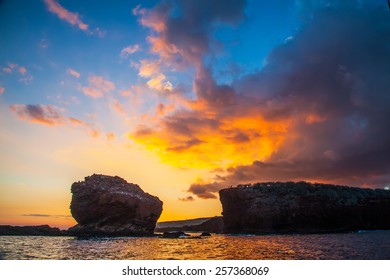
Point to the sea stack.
(302, 207)
(109, 206)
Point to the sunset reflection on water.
(222, 247)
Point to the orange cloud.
(2, 90)
(91, 130)
(64, 14)
(74, 73)
(190, 140)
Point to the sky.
(185, 98)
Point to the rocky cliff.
(109, 206)
(303, 208)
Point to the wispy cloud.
(7, 70)
(50, 115)
(187, 199)
(100, 83)
(64, 14)
(110, 136)
(47, 215)
(148, 68)
(43, 114)
(151, 69)
(95, 93)
(129, 50)
(2, 90)
(22, 70)
(24, 75)
(116, 105)
(98, 86)
(74, 73)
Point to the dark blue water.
(363, 245)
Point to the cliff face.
(303, 208)
(109, 206)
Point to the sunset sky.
(185, 98)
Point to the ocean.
(365, 245)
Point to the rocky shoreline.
(41, 230)
(108, 206)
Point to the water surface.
(363, 245)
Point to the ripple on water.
(363, 245)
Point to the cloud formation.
(182, 34)
(24, 75)
(47, 215)
(73, 73)
(70, 17)
(2, 90)
(187, 199)
(183, 29)
(192, 136)
(330, 83)
(125, 52)
(316, 111)
(22, 70)
(98, 86)
(151, 69)
(116, 105)
(43, 114)
(50, 115)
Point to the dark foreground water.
(363, 245)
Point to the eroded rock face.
(109, 206)
(303, 208)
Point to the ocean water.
(363, 245)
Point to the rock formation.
(109, 206)
(303, 208)
(43, 230)
(214, 225)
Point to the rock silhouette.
(214, 225)
(109, 206)
(303, 208)
(43, 230)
